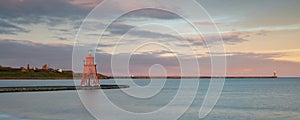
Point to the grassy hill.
(12, 73)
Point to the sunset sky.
(260, 36)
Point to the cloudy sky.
(259, 36)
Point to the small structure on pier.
(274, 74)
(89, 75)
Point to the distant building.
(28, 67)
(45, 67)
(23, 69)
(59, 70)
(35, 69)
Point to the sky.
(259, 36)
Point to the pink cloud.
(262, 32)
(231, 37)
(89, 4)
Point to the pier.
(58, 88)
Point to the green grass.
(17, 74)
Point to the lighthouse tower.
(274, 74)
(89, 75)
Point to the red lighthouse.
(89, 76)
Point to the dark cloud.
(230, 38)
(19, 53)
(100, 45)
(88, 4)
(159, 52)
(241, 36)
(51, 12)
(234, 37)
(207, 23)
(152, 13)
(120, 29)
(8, 28)
(55, 12)
(60, 38)
(38, 8)
(212, 40)
(59, 29)
(62, 33)
(153, 35)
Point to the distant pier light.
(274, 74)
(89, 75)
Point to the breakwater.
(186, 77)
(58, 88)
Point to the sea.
(240, 99)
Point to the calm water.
(263, 99)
